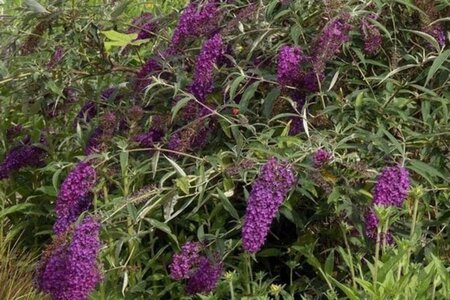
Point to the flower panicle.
(68, 269)
(74, 196)
(267, 194)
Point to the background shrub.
(178, 111)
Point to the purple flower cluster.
(144, 26)
(204, 132)
(370, 34)
(96, 140)
(371, 221)
(142, 81)
(135, 113)
(74, 196)
(183, 262)
(13, 131)
(94, 143)
(19, 157)
(311, 81)
(195, 21)
(108, 122)
(147, 140)
(330, 41)
(296, 125)
(175, 142)
(391, 189)
(87, 112)
(268, 192)
(321, 157)
(70, 94)
(288, 66)
(202, 83)
(69, 270)
(438, 32)
(202, 273)
(205, 278)
(56, 57)
(110, 93)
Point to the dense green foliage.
(370, 111)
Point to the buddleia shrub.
(229, 149)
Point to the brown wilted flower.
(244, 14)
(32, 41)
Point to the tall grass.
(16, 268)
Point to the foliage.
(177, 135)
(16, 266)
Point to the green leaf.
(393, 140)
(248, 94)
(349, 292)
(125, 38)
(234, 86)
(295, 33)
(55, 179)
(14, 209)
(329, 263)
(227, 205)
(118, 39)
(120, 9)
(397, 70)
(438, 61)
(132, 211)
(425, 170)
(180, 104)
(430, 39)
(270, 252)
(36, 6)
(165, 228)
(48, 190)
(183, 184)
(124, 162)
(179, 170)
(269, 100)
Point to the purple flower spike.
(147, 140)
(56, 58)
(183, 262)
(202, 83)
(371, 222)
(69, 270)
(201, 272)
(371, 35)
(321, 157)
(392, 187)
(205, 278)
(87, 112)
(142, 77)
(268, 192)
(195, 21)
(288, 67)
(13, 131)
(144, 26)
(74, 196)
(330, 41)
(438, 32)
(296, 126)
(20, 157)
(94, 143)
